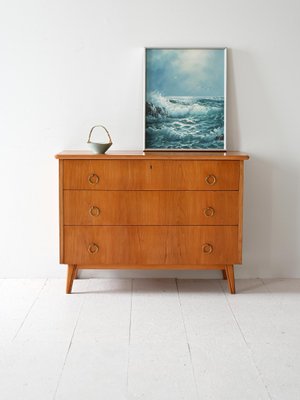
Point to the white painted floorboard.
(96, 367)
(150, 339)
(17, 297)
(159, 359)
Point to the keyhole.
(150, 166)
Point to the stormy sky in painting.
(185, 72)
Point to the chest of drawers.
(162, 210)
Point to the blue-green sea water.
(184, 122)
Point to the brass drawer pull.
(93, 179)
(94, 211)
(210, 180)
(93, 248)
(209, 212)
(207, 248)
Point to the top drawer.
(150, 175)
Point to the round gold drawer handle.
(93, 248)
(210, 180)
(94, 211)
(209, 212)
(93, 179)
(207, 248)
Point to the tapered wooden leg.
(72, 270)
(224, 274)
(76, 273)
(230, 277)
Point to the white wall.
(66, 65)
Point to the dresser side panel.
(241, 197)
(61, 211)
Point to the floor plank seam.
(246, 343)
(70, 344)
(129, 337)
(30, 309)
(187, 339)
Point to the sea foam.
(184, 122)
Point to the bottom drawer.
(151, 245)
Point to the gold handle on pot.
(99, 126)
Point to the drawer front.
(87, 207)
(151, 245)
(151, 175)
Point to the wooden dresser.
(154, 210)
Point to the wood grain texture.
(150, 207)
(153, 155)
(147, 211)
(150, 175)
(240, 210)
(71, 275)
(61, 210)
(150, 245)
(230, 278)
(154, 266)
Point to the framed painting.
(185, 99)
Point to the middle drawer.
(87, 207)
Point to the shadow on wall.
(271, 219)
(272, 199)
(233, 128)
(257, 216)
(272, 175)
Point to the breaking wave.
(185, 122)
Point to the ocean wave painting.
(185, 99)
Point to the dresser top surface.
(151, 155)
